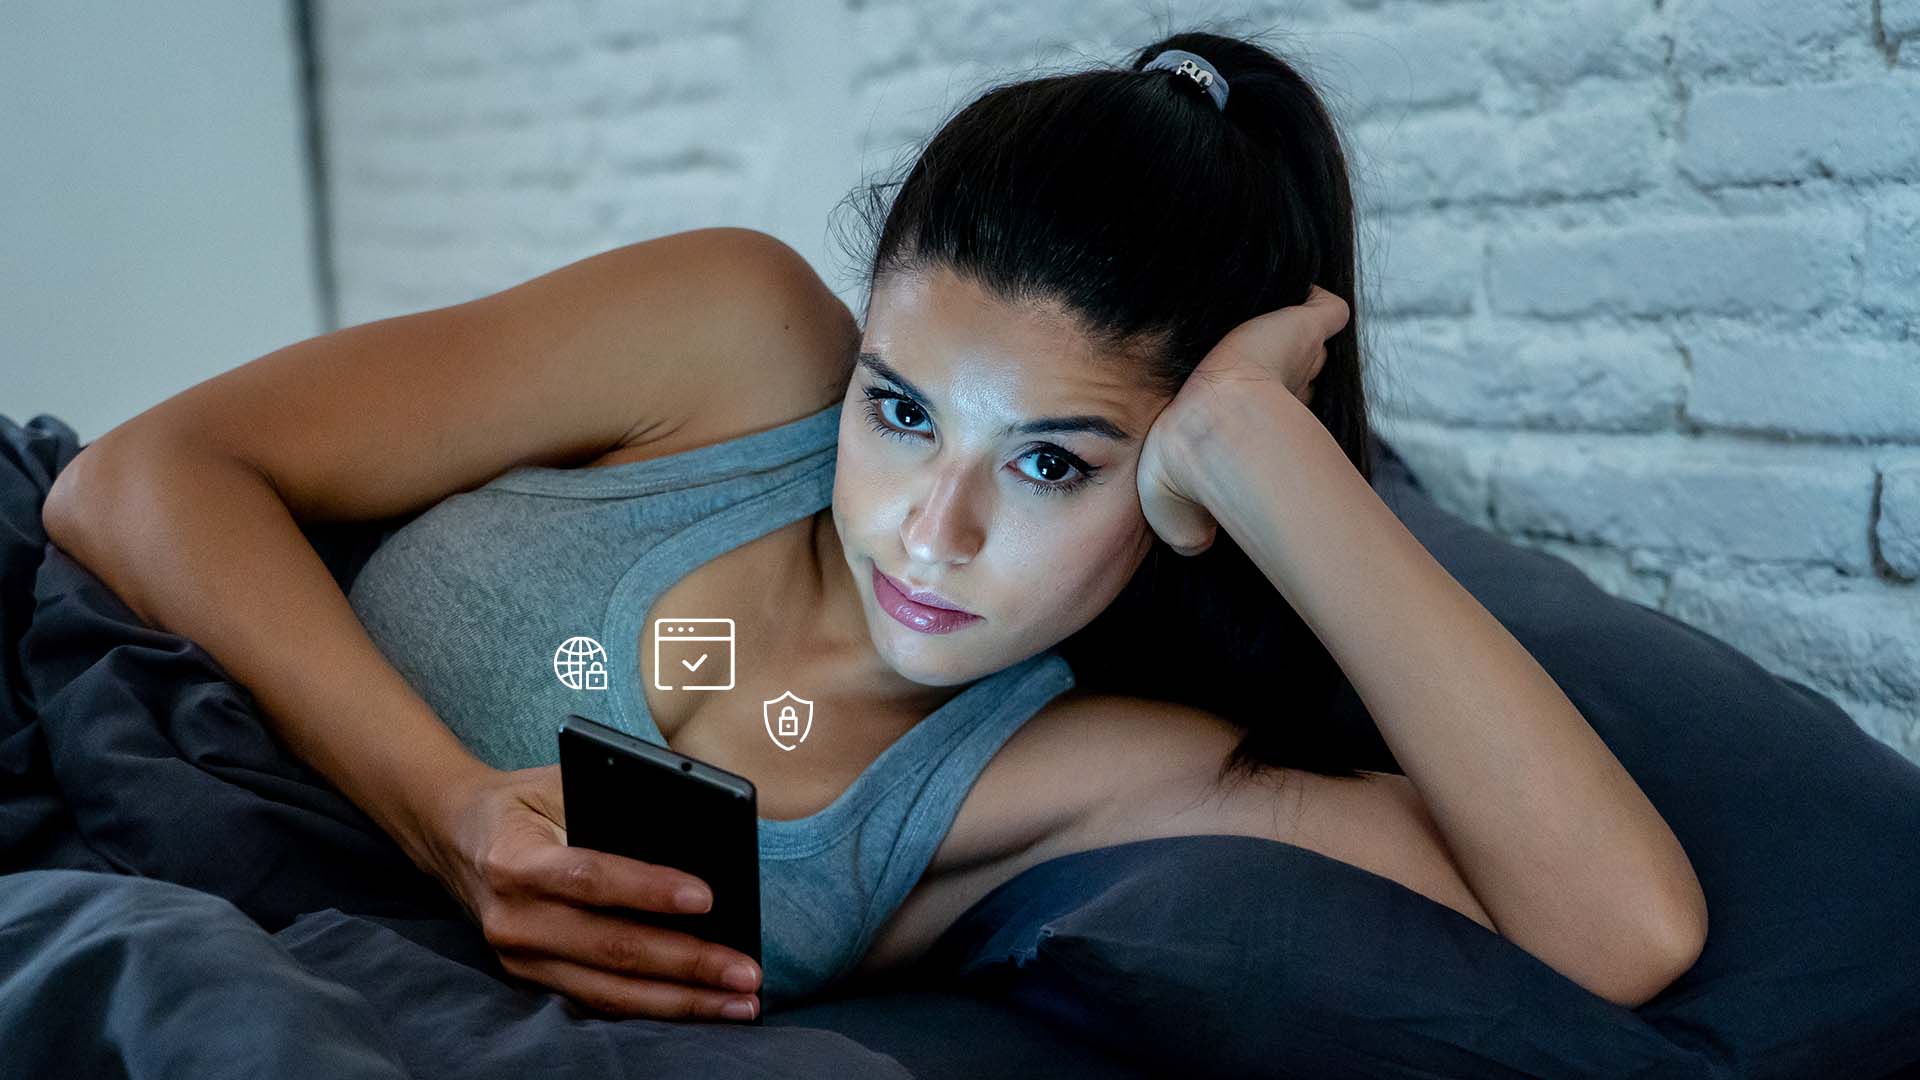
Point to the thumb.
(1330, 307)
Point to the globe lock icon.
(580, 663)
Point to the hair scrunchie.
(1195, 67)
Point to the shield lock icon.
(787, 721)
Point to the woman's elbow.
(1672, 954)
(1675, 944)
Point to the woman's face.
(942, 485)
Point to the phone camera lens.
(686, 766)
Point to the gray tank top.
(474, 600)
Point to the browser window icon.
(693, 654)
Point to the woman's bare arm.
(191, 512)
(1560, 846)
(197, 543)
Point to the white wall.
(1643, 275)
(154, 211)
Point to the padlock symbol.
(789, 722)
(596, 676)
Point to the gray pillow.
(1234, 955)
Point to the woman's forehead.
(942, 327)
(943, 295)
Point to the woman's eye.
(1057, 475)
(908, 413)
(1053, 465)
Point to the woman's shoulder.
(1076, 752)
(1093, 770)
(1040, 798)
(788, 353)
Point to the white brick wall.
(1643, 275)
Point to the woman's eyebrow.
(1087, 422)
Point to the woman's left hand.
(1285, 349)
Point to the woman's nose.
(944, 526)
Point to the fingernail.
(740, 977)
(737, 1010)
(692, 898)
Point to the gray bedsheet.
(107, 975)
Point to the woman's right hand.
(500, 846)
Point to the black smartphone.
(630, 797)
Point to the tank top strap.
(926, 809)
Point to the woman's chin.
(928, 659)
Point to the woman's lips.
(913, 615)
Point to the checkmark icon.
(695, 666)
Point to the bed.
(181, 896)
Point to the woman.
(1093, 331)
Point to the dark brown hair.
(1161, 222)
